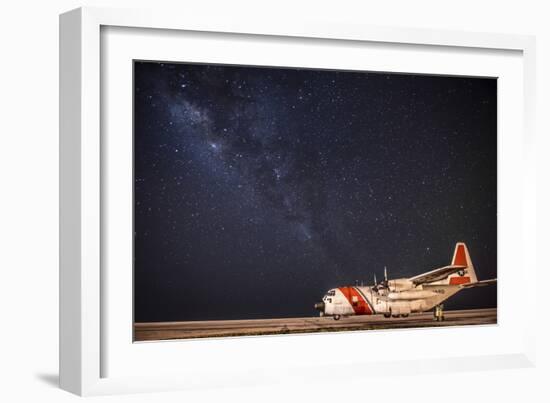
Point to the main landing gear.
(438, 313)
(390, 314)
(336, 317)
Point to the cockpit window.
(331, 293)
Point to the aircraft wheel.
(387, 315)
(336, 317)
(405, 315)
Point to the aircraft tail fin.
(461, 257)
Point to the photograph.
(276, 200)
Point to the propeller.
(374, 278)
(385, 274)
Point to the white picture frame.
(85, 309)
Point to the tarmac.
(253, 327)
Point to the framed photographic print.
(259, 191)
(251, 196)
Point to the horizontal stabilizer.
(479, 283)
(437, 274)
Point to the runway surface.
(218, 328)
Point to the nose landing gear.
(336, 317)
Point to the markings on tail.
(459, 280)
(460, 256)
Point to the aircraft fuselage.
(362, 300)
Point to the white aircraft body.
(402, 296)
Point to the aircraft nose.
(320, 306)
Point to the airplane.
(402, 296)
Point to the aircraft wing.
(479, 283)
(437, 274)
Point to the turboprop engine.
(411, 295)
(400, 284)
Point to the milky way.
(256, 189)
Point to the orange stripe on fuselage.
(459, 280)
(361, 307)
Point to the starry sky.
(257, 189)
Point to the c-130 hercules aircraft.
(402, 296)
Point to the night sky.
(258, 189)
